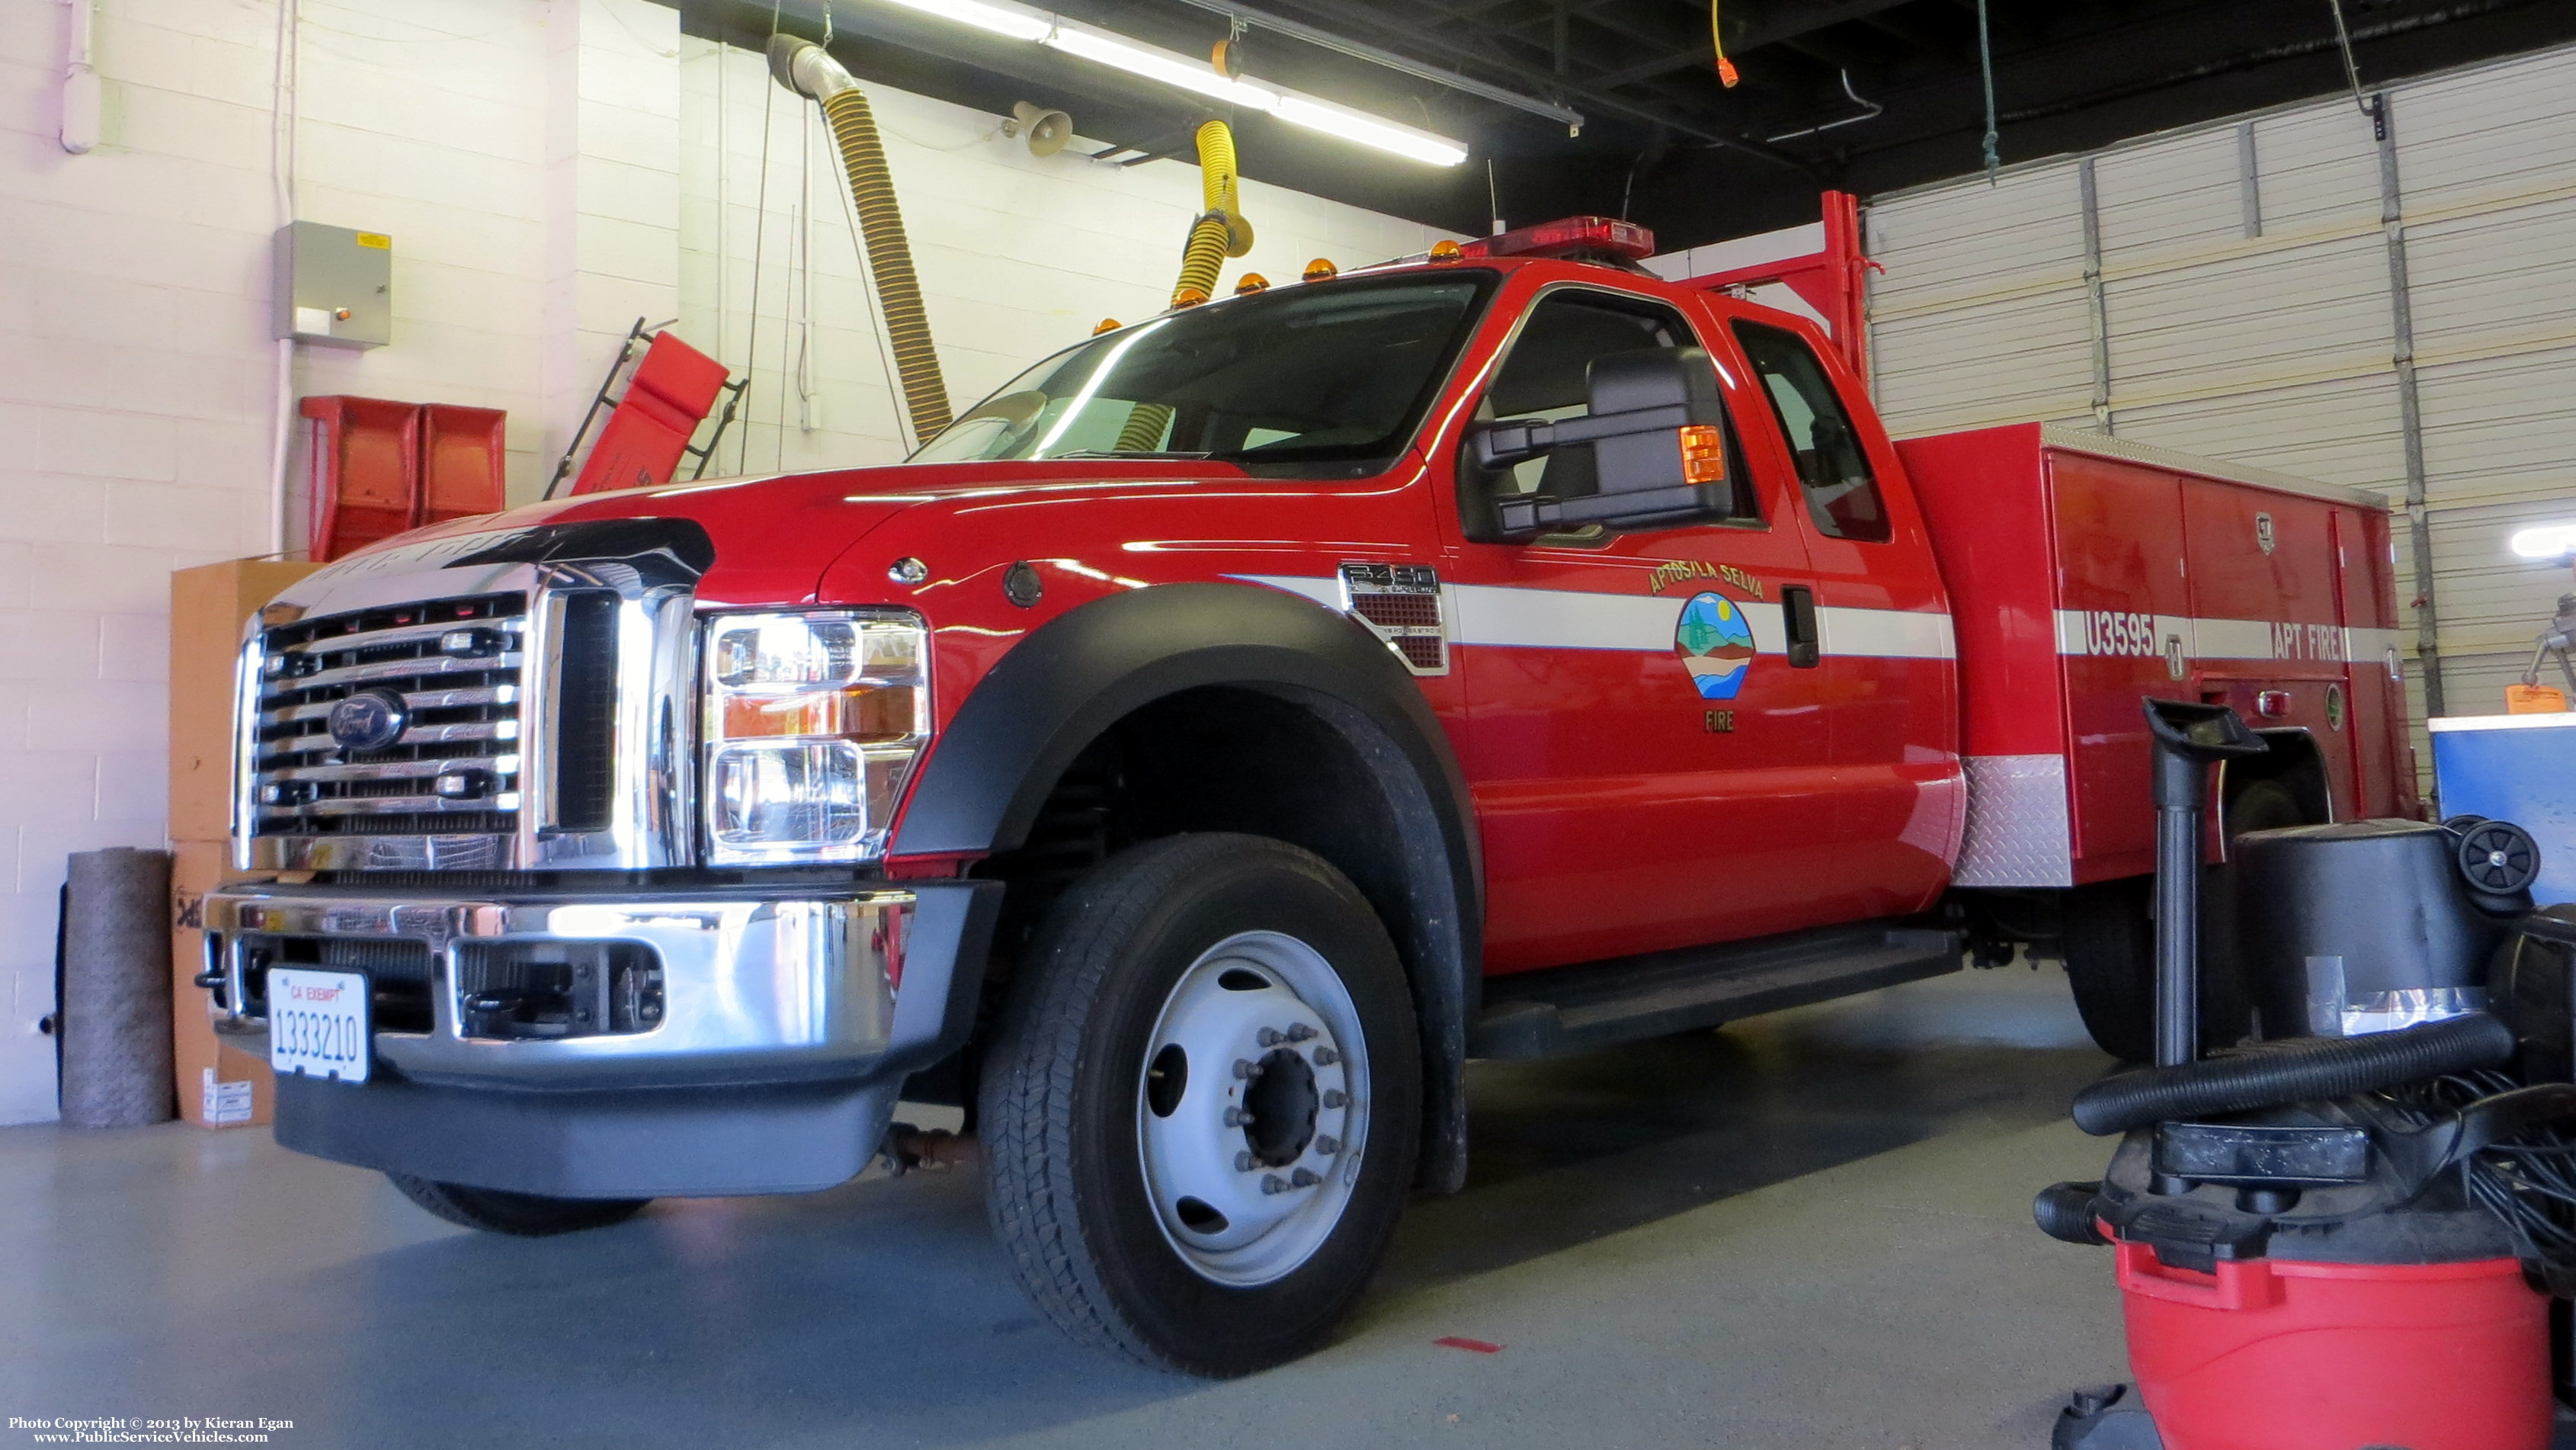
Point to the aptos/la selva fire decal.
(1715, 642)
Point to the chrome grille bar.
(435, 665)
(397, 634)
(401, 769)
(413, 700)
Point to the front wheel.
(1202, 1108)
(521, 1215)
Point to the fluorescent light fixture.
(1392, 136)
(1017, 22)
(1024, 22)
(1160, 65)
(2549, 541)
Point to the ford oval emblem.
(368, 720)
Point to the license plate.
(317, 1024)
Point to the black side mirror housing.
(1656, 428)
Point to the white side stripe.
(2122, 632)
(1506, 617)
(1888, 634)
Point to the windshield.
(1332, 371)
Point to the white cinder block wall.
(548, 170)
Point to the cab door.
(1888, 680)
(1650, 767)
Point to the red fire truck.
(1495, 654)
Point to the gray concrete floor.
(1808, 1230)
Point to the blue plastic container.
(2518, 768)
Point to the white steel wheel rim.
(1250, 1174)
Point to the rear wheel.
(522, 1215)
(2110, 945)
(1202, 1107)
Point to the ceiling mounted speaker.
(1043, 130)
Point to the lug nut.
(1273, 1183)
(1243, 1162)
(1237, 1118)
(1300, 1032)
(1326, 1057)
(1246, 1068)
(1336, 1098)
(1269, 1037)
(1328, 1145)
(1304, 1178)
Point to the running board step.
(1599, 1004)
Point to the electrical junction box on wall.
(334, 285)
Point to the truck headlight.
(813, 720)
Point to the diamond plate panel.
(2017, 832)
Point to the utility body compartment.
(2085, 572)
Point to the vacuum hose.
(1219, 232)
(809, 70)
(2292, 1070)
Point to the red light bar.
(1574, 236)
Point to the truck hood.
(775, 535)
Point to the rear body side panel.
(2091, 573)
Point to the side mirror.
(1657, 431)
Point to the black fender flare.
(991, 769)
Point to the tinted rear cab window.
(1842, 493)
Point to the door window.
(1833, 471)
(1548, 375)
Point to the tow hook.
(908, 1148)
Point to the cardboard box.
(220, 1085)
(208, 606)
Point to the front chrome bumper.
(791, 1019)
(774, 987)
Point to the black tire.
(2110, 945)
(521, 1215)
(1061, 1087)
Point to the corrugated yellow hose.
(1220, 232)
(806, 68)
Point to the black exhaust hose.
(2295, 1069)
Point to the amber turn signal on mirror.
(1703, 454)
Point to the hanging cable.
(1986, 72)
(1726, 75)
(759, 260)
(2351, 68)
(876, 329)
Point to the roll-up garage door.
(2231, 290)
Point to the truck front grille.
(457, 669)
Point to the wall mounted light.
(2548, 541)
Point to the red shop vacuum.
(2342, 1237)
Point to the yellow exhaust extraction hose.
(1219, 232)
(809, 70)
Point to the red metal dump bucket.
(2272, 1354)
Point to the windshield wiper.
(1124, 453)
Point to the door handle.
(1798, 604)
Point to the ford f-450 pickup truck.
(1189, 760)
